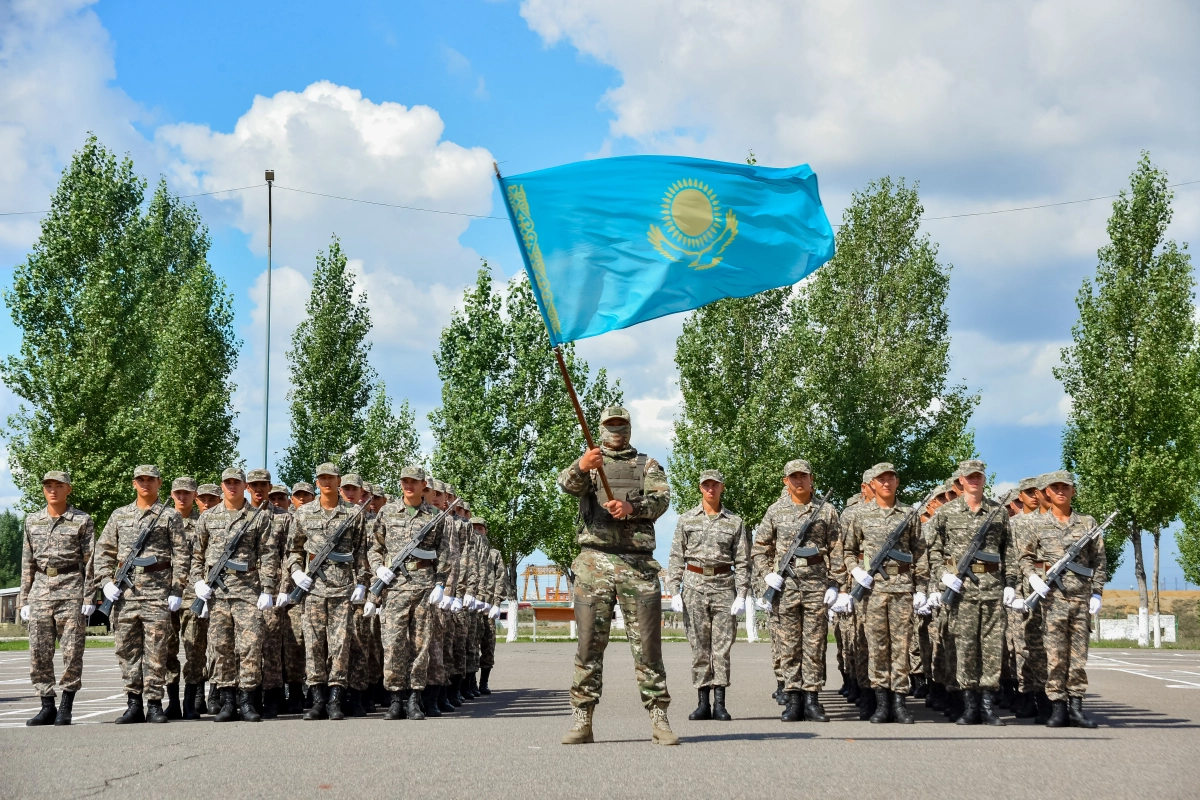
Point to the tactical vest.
(599, 529)
(624, 477)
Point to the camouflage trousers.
(601, 581)
(487, 642)
(50, 620)
(945, 669)
(803, 630)
(142, 630)
(862, 660)
(710, 630)
(888, 628)
(1031, 659)
(327, 635)
(1014, 634)
(173, 668)
(292, 643)
(236, 631)
(923, 644)
(405, 620)
(436, 673)
(458, 627)
(1066, 641)
(844, 637)
(360, 639)
(193, 634)
(914, 647)
(473, 629)
(978, 629)
(274, 621)
(449, 630)
(776, 653)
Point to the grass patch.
(23, 644)
(1131, 644)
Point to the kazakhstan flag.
(617, 241)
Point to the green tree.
(1132, 375)
(12, 531)
(389, 442)
(863, 373)
(506, 427)
(331, 379)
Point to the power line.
(1044, 205)
(390, 205)
(181, 197)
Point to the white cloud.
(1015, 379)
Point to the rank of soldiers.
(266, 590)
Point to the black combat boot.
(395, 709)
(443, 700)
(155, 713)
(484, 673)
(812, 708)
(245, 702)
(780, 696)
(1058, 714)
(703, 708)
(854, 692)
(189, 701)
(295, 698)
(1075, 714)
(718, 711)
(367, 698)
(920, 688)
(224, 706)
(47, 715)
(987, 709)
(793, 711)
(354, 706)
(201, 706)
(472, 685)
(866, 705)
(308, 698)
(173, 709)
(935, 700)
(970, 714)
(214, 698)
(845, 690)
(955, 704)
(318, 702)
(334, 706)
(1025, 706)
(1007, 695)
(455, 693)
(133, 712)
(271, 702)
(883, 703)
(1044, 708)
(412, 705)
(429, 702)
(900, 712)
(64, 708)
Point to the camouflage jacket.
(394, 528)
(52, 543)
(864, 532)
(457, 529)
(774, 536)
(256, 550)
(166, 543)
(703, 541)
(1047, 542)
(189, 541)
(837, 554)
(949, 533)
(499, 575)
(1020, 529)
(599, 529)
(309, 530)
(281, 525)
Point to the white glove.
(447, 601)
(282, 599)
(934, 602)
(925, 610)
(359, 594)
(386, 575)
(302, 580)
(843, 604)
(1094, 604)
(478, 605)
(830, 595)
(264, 601)
(88, 609)
(25, 613)
(436, 594)
(738, 607)
(952, 581)
(111, 591)
(859, 574)
(368, 610)
(1039, 585)
(765, 606)
(774, 580)
(494, 613)
(1018, 605)
(469, 602)
(203, 590)
(1009, 594)
(204, 611)
(455, 606)
(677, 603)
(918, 600)
(174, 603)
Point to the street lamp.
(270, 177)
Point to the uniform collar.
(699, 511)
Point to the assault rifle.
(886, 551)
(316, 565)
(771, 595)
(971, 554)
(122, 579)
(214, 574)
(1067, 562)
(412, 551)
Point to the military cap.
(479, 521)
(797, 465)
(57, 475)
(877, 470)
(1027, 483)
(258, 475)
(303, 486)
(614, 412)
(278, 488)
(435, 486)
(417, 473)
(712, 475)
(855, 500)
(377, 490)
(448, 488)
(328, 468)
(146, 471)
(352, 479)
(233, 474)
(971, 466)
(184, 484)
(210, 489)
(368, 488)
(1058, 476)
(1041, 482)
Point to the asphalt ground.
(507, 745)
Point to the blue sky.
(989, 106)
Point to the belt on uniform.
(977, 567)
(809, 555)
(53, 572)
(420, 563)
(897, 568)
(617, 551)
(719, 569)
(147, 564)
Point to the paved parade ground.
(1147, 702)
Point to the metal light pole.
(270, 176)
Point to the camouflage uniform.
(1029, 626)
(495, 595)
(141, 622)
(235, 627)
(189, 629)
(275, 620)
(709, 557)
(56, 580)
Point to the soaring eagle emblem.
(694, 229)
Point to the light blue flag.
(617, 241)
